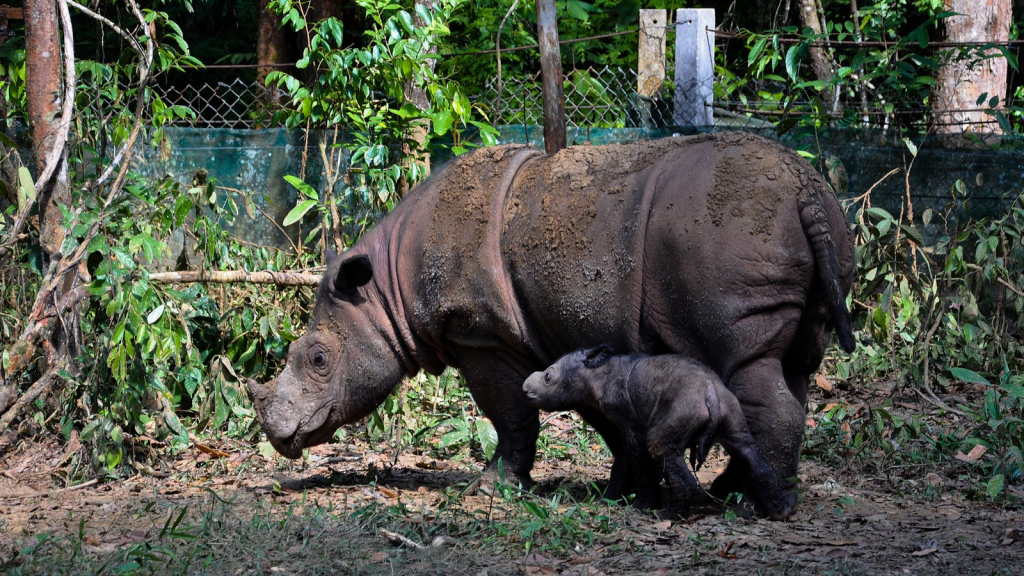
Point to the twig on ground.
(85, 484)
(396, 538)
(933, 399)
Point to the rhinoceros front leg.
(775, 418)
(497, 388)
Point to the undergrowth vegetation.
(938, 312)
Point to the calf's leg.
(646, 473)
(683, 485)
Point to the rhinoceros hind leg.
(775, 418)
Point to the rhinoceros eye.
(319, 358)
(547, 376)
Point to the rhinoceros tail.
(816, 227)
(700, 448)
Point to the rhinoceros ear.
(353, 273)
(330, 256)
(597, 356)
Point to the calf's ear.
(597, 356)
(353, 273)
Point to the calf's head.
(571, 382)
(338, 371)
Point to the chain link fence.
(609, 97)
(235, 104)
(604, 105)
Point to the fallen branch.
(37, 389)
(396, 538)
(235, 276)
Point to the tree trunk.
(418, 96)
(43, 76)
(821, 63)
(968, 75)
(273, 46)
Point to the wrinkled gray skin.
(726, 248)
(661, 406)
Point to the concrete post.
(695, 67)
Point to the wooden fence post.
(650, 72)
(695, 67)
(551, 76)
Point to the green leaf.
(911, 146)
(994, 486)
(406, 20)
(755, 52)
(454, 437)
(487, 436)
(298, 212)
(302, 187)
(1014, 390)
(969, 376)
(913, 233)
(793, 60)
(28, 188)
(442, 122)
(535, 510)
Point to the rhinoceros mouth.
(315, 431)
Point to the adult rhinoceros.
(728, 248)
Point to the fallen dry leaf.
(924, 552)
(842, 543)
(91, 540)
(822, 382)
(211, 451)
(795, 539)
(663, 525)
(378, 557)
(725, 551)
(577, 560)
(977, 452)
(387, 492)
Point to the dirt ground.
(342, 503)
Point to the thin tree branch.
(135, 44)
(235, 276)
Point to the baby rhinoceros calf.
(662, 406)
